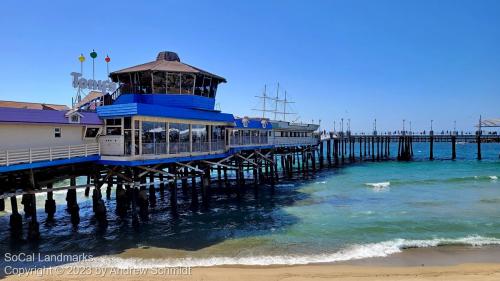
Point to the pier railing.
(183, 147)
(31, 155)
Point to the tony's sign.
(99, 85)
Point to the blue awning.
(141, 109)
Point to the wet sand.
(440, 263)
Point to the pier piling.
(50, 203)
(16, 220)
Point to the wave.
(378, 185)
(371, 250)
(446, 180)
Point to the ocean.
(359, 210)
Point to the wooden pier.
(136, 187)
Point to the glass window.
(173, 83)
(213, 88)
(145, 82)
(128, 141)
(218, 137)
(200, 138)
(198, 87)
(187, 83)
(114, 122)
(154, 138)
(178, 135)
(127, 123)
(206, 86)
(235, 137)
(91, 132)
(113, 131)
(159, 82)
(247, 137)
(57, 132)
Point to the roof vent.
(168, 56)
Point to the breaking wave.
(354, 252)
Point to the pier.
(158, 136)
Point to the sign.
(100, 85)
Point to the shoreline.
(434, 263)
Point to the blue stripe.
(130, 109)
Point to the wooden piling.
(453, 147)
(15, 220)
(50, 203)
(431, 145)
(194, 192)
(478, 141)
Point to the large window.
(178, 135)
(187, 81)
(114, 127)
(218, 138)
(200, 138)
(154, 138)
(159, 83)
(173, 83)
(235, 137)
(144, 82)
(198, 87)
(206, 86)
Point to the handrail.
(30, 155)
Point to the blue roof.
(252, 124)
(131, 109)
(23, 115)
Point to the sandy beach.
(441, 263)
(466, 272)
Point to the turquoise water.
(357, 211)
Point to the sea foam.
(381, 249)
(378, 186)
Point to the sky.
(361, 60)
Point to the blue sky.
(390, 60)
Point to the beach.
(442, 263)
(367, 221)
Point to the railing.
(294, 140)
(30, 155)
(248, 140)
(179, 148)
(200, 146)
(218, 146)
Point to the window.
(213, 88)
(92, 132)
(154, 137)
(206, 86)
(173, 83)
(114, 127)
(114, 122)
(198, 87)
(200, 138)
(75, 118)
(159, 82)
(178, 135)
(187, 81)
(57, 132)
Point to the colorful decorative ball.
(107, 59)
(93, 54)
(81, 58)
